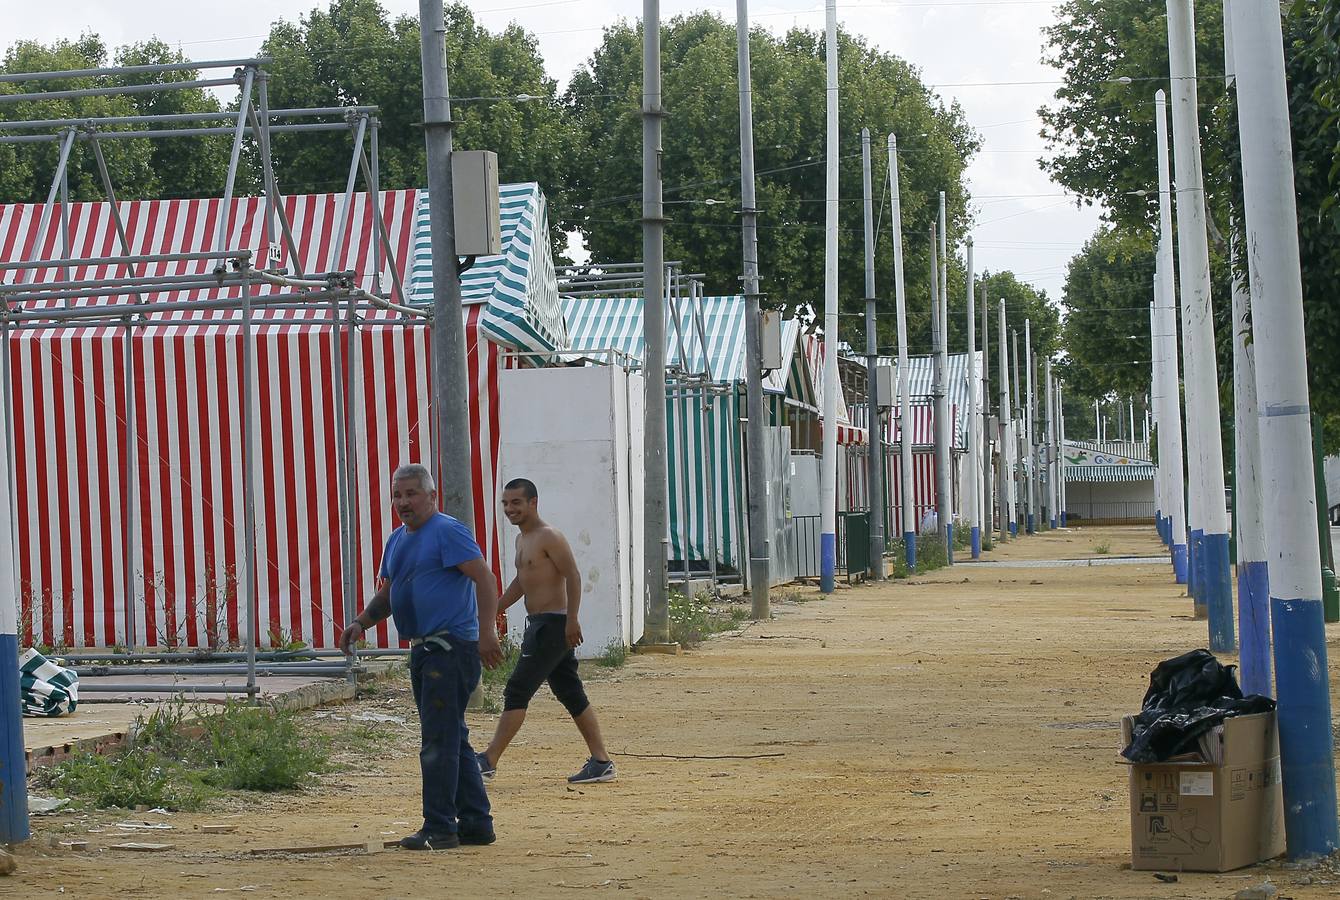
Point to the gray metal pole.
(13, 77)
(972, 496)
(875, 446)
(449, 366)
(221, 235)
(119, 90)
(653, 332)
(1020, 442)
(760, 553)
(248, 592)
(61, 162)
(346, 207)
(272, 197)
(943, 502)
(988, 469)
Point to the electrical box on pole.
(474, 187)
(771, 335)
(886, 377)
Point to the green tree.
(701, 162)
(353, 53)
(1106, 331)
(1100, 134)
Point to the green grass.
(181, 756)
(1103, 548)
(614, 655)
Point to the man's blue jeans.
(453, 791)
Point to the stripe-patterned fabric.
(46, 689)
(518, 287)
(1109, 473)
(813, 350)
(615, 323)
(179, 517)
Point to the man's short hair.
(524, 485)
(415, 471)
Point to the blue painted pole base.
(949, 543)
(975, 536)
(910, 546)
(1254, 628)
(13, 766)
(1218, 593)
(827, 562)
(1194, 573)
(1062, 518)
(1014, 529)
(1307, 759)
(1028, 523)
(1179, 562)
(1053, 523)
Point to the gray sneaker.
(486, 769)
(595, 770)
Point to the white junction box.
(474, 190)
(770, 334)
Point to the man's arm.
(486, 597)
(377, 609)
(513, 593)
(561, 555)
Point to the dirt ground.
(954, 736)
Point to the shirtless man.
(547, 576)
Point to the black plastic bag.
(1188, 695)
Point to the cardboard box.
(1219, 809)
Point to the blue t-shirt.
(428, 593)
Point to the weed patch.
(1103, 549)
(695, 619)
(181, 756)
(614, 655)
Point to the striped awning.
(1127, 473)
(615, 323)
(518, 286)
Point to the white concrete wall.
(577, 433)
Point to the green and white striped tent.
(706, 462)
(518, 286)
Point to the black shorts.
(546, 656)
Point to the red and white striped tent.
(75, 432)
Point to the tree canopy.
(701, 161)
(1102, 135)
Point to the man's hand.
(353, 632)
(574, 632)
(490, 650)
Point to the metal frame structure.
(126, 302)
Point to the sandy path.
(951, 737)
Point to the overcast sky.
(984, 53)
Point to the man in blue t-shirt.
(444, 600)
